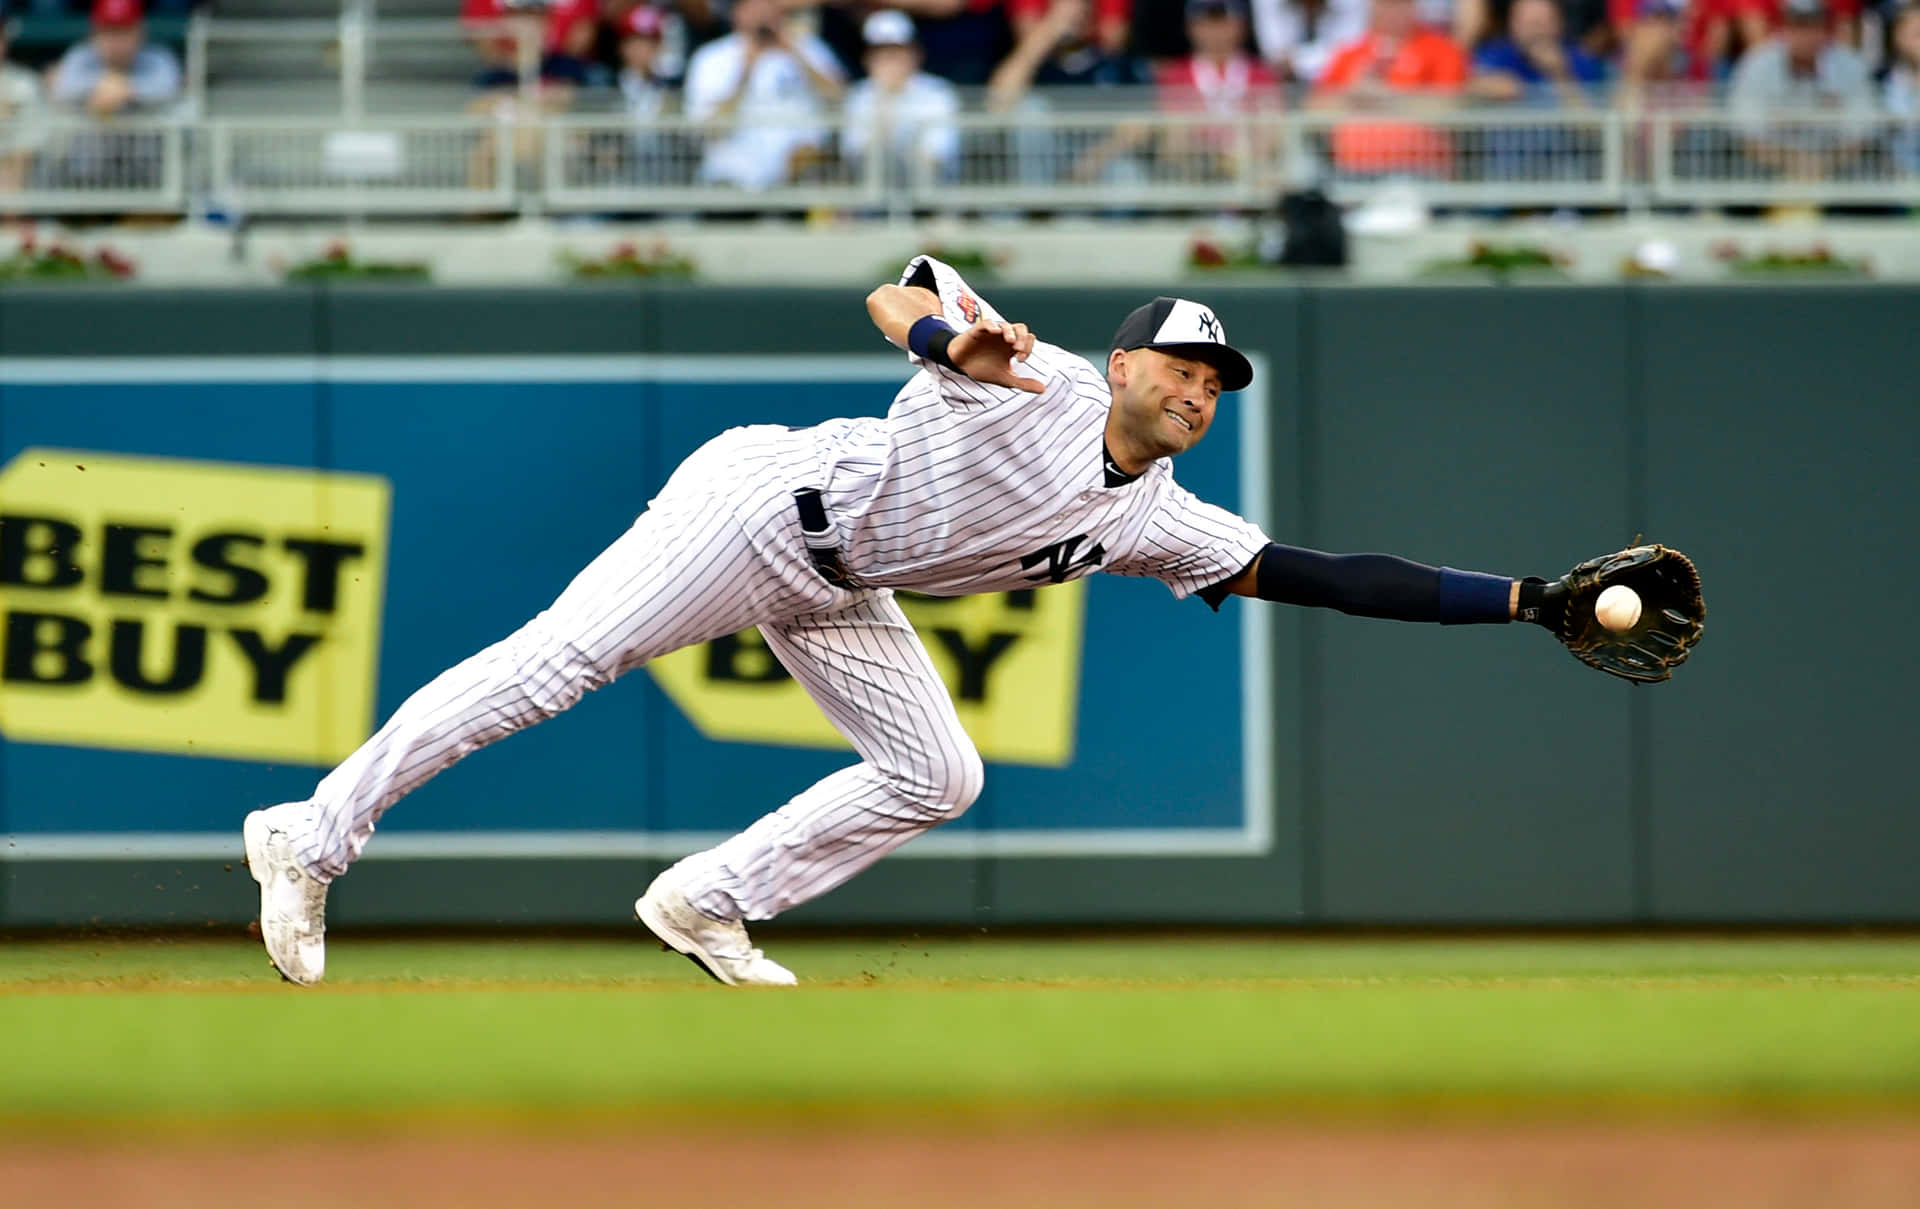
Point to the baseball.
(1618, 608)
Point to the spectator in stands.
(1535, 63)
(21, 131)
(1060, 48)
(1751, 22)
(1112, 21)
(1221, 77)
(1654, 60)
(678, 36)
(1587, 22)
(115, 71)
(898, 106)
(555, 35)
(646, 89)
(1059, 51)
(963, 40)
(765, 91)
(1396, 65)
(1803, 70)
(1902, 94)
(550, 39)
(649, 155)
(1298, 37)
(1685, 47)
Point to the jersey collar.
(1110, 469)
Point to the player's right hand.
(986, 352)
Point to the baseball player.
(1004, 463)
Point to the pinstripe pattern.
(867, 670)
(961, 488)
(686, 572)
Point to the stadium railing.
(1104, 163)
(1813, 157)
(68, 165)
(394, 166)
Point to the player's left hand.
(986, 352)
(1672, 612)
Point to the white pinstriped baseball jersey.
(960, 488)
(964, 488)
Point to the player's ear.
(1117, 367)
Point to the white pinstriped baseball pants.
(689, 571)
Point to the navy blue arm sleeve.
(1375, 585)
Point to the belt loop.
(817, 532)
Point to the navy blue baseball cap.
(1186, 329)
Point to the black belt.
(818, 535)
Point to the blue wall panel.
(504, 486)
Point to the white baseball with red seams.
(960, 488)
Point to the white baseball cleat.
(719, 948)
(293, 906)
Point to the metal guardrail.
(64, 165)
(615, 165)
(1047, 161)
(401, 166)
(1814, 157)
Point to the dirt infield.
(1772, 1165)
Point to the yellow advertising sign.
(1011, 661)
(199, 608)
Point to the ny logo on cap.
(1209, 325)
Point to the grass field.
(201, 1028)
(176, 1039)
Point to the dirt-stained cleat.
(293, 905)
(720, 948)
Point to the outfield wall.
(297, 505)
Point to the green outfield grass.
(202, 1031)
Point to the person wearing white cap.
(898, 106)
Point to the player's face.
(1167, 402)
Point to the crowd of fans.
(783, 85)
(786, 79)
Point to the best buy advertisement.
(196, 607)
(1010, 659)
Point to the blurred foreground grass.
(136, 1030)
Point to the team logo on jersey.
(199, 608)
(969, 307)
(1060, 560)
(1010, 659)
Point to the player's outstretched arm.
(1374, 585)
(910, 318)
(1642, 636)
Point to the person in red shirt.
(499, 29)
(565, 30)
(1398, 64)
(1220, 77)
